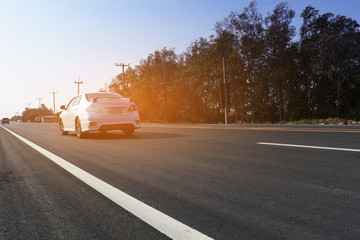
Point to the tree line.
(33, 114)
(273, 73)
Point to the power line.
(260, 1)
(267, 4)
(206, 28)
(185, 37)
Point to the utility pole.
(53, 93)
(39, 101)
(123, 68)
(225, 92)
(78, 83)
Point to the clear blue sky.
(46, 44)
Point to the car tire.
(61, 126)
(129, 131)
(78, 129)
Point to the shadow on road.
(136, 136)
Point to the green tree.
(248, 27)
(279, 34)
(31, 114)
(333, 65)
(157, 87)
(272, 76)
(199, 75)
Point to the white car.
(99, 112)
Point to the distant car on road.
(5, 120)
(99, 112)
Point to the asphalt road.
(215, 179)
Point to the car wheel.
(78, 129)
(129, 131)
(61, 126)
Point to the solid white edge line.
(308, 146)
(163, 223)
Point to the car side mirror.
(63, 107)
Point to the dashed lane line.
(160, 221)
(308, 146)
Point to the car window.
(90, 96)
(74, 102)
(77, 101)
(71, 103)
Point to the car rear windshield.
(111, 96)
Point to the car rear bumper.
(124, 126)
(101, 125)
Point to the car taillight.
(132, 108)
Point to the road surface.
(234, 182)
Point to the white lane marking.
(163, 223)
(308, 146)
